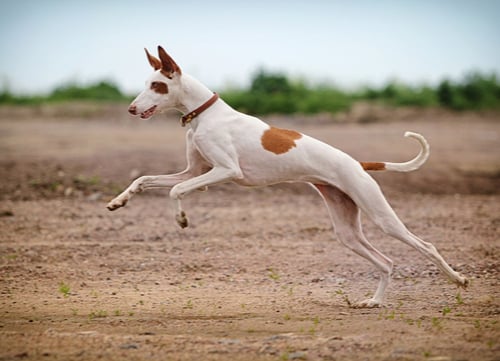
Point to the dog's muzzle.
(148, 113)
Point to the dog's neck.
(193, 94)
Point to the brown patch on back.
(159, 87)
(373, 165)
(278, 140)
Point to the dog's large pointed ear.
(168, 65)
(155, 62)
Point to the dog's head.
(162, 87)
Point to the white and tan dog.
(224, 145)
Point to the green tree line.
(274, 92)
(104, 91)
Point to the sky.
(46, 43)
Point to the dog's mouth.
(148, 113)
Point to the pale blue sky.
(44, 43)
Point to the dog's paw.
(182, 219)
(462, 282)
(116, 203)
(369, 303)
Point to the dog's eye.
(159, 87)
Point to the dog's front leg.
(214, 176)
(145, 183)
(196, 165)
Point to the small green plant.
(117, 313)
(477, 324)
(391, 315)
(436, 322)
(273, 274)
(459, 299)
(312, 330)
(285, 356)
(409, 321)
(287, 317)
(64, 289)
(98, 314)
(87, 180)
(446, 310)
(189, 305)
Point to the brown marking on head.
(278, 140)
(168, 65)
(159, 87)
(155, 62)
(373, 165)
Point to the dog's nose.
(132, 109)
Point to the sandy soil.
(259, 274)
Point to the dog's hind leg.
(345, 216)
(371, 200)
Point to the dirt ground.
(259, 274)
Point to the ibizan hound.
(224, 145)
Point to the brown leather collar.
(188, 117)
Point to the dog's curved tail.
(409, 166)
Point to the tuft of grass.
(273, 274)
(446, 310)
(391, 315)
(459, 299)
(410, 321)
(64, 289)
(98, 314)
(312, 330)
(83, 181)
(437, 323)
(189, 305)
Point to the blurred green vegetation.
(102, 91)
(274, 92)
